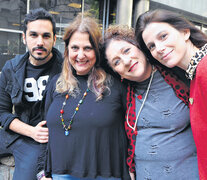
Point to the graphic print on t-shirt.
(34, 88)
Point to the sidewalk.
(6, 168)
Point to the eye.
(116, 62)
(126, 50)
(46, 36)
(151, 47)
(74, 48)
(33, 34)
(163, 36)
(88, 48)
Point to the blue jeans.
(26, 152)
(69, 177)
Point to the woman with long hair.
(85, 112)
(175, 42)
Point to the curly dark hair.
(120, 33)
(36, 14)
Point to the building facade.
(106, 11)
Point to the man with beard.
(23, 84)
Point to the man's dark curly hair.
(36, 14)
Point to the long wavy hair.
(97, 77)
(197, 37)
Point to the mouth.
(39, 50)
(82, 62)
(166, 55)
(132, 67)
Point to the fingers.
(43, 140)
(42, 136)
(42, 123)
(41, 133)
(40, 127)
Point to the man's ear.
(55, 38)
(24, 38)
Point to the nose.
(81, 54)
(160, 47)
(126, 60)
(40, 41)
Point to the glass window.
(10, 45)
(12, 16)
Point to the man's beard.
(40, 58)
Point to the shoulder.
(52, 82)
(116, 83)
(11, 66)
(16, 62)
(117, 88)
(202, 68)
(203, 62)
(55, 78)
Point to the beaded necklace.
(67, 128)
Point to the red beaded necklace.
(67, 128)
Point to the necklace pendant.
(68, 128)
(139, 96)
(66, 132)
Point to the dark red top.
(198, 114)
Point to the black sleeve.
(124, 95)
(7, 91)
(42, 160)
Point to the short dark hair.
(117, 32)
(36, 14)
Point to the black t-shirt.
(36, 78)
(97, 143)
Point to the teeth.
(81, 62)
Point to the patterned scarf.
(191, 70)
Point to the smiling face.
(39, 39)
(81, 53)
(127, 60)
(166, 44)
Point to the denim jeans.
(26, 152)
(69, 177)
